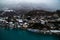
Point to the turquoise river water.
(7, 34)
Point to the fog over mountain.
(30, 4)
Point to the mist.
(36, 4)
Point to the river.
(7, 34)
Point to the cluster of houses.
(11, 20)
(36, 19)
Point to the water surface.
(7, 34)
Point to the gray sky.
(55, 4)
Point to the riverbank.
(57, 32)
(45, 31)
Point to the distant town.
(39, 21)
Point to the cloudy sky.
(55, 4)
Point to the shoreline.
(44, 31)
(38, 31)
